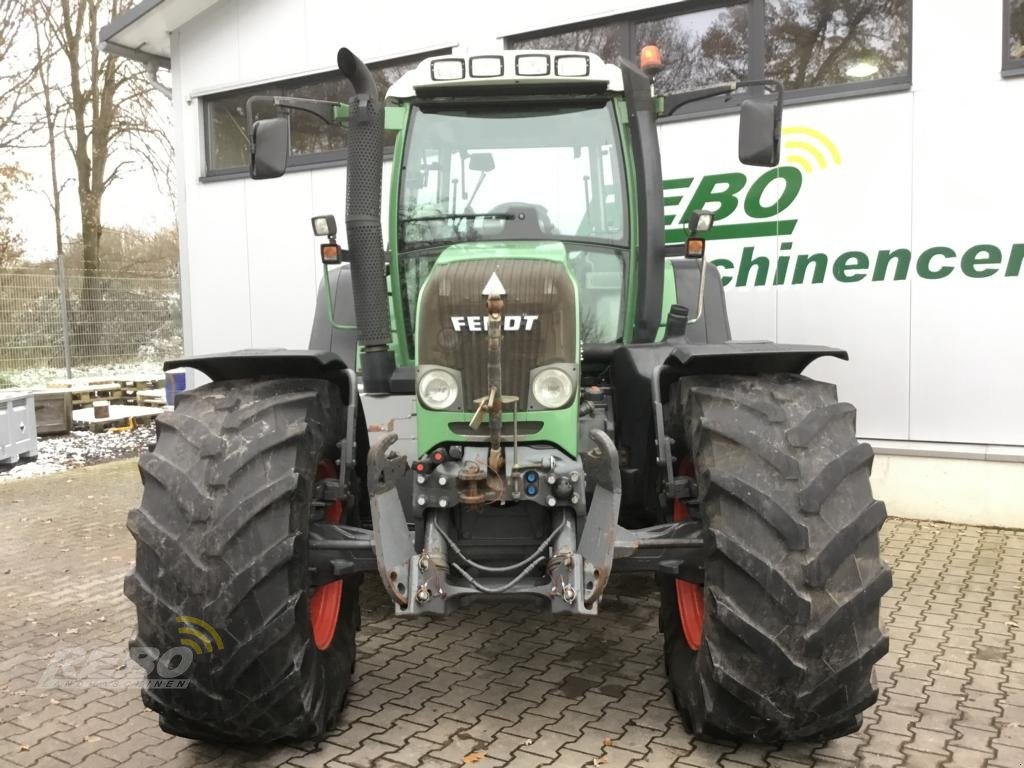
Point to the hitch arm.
(597, 542)
(390, 532)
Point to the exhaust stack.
(362, 223)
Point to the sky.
(136, 200)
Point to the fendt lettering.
(483, 322)
(581, 411)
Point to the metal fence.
(70, 322)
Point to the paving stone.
(967, 758)
(705, 754)
(884, 744)
(366, 755)
(1009, 755)
(496, 676)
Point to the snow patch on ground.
(40, 377)
(78, 449)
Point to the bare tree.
(51, 117)
(104, 113)
(12, 245)
(17, 72)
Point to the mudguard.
(712, 325)
(744, 358)
(636, 366)
(302, 364)
(258, 363)
(339, 296)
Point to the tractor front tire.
(221, 565)
(779, 642)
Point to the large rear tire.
(789, 630)
(221, 563)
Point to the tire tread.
(794, 578)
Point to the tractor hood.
(540, 329)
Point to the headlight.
(552, 388)
(438, 389)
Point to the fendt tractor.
(580, 409)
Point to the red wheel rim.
(689, 596)
(325, 604)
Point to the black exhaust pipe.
(362, 223)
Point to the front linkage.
(576, 565)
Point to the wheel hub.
(325, 603)
(689, 596)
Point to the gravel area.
(79, 449)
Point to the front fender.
(642, 375)
(743, 358)
(269, 363)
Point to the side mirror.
(760, 131)
(271, 139)
(481, 161)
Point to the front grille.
(534, 287)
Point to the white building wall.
(939, 165)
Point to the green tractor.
(580, 408)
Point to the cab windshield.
(511, 173)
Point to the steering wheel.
(543, 219)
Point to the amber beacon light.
(650, 60)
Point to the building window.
(817, 48)
(814, 44)
(699, 48)
(603, 39)
(313, 142)
(1013, 37)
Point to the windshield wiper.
(449, 216)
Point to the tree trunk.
(89, 318)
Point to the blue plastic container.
(174, 383)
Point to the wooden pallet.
(119, 391)
(152, 398)
(120, 416)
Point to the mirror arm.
(773, 86)
(325, 110)
(674, 101)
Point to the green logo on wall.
(765, 204)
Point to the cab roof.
(511, 71)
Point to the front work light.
(552, 388)
(324, 226)
(448, 69)
(438, 389)
(701, 221)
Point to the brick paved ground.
(525, 688)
